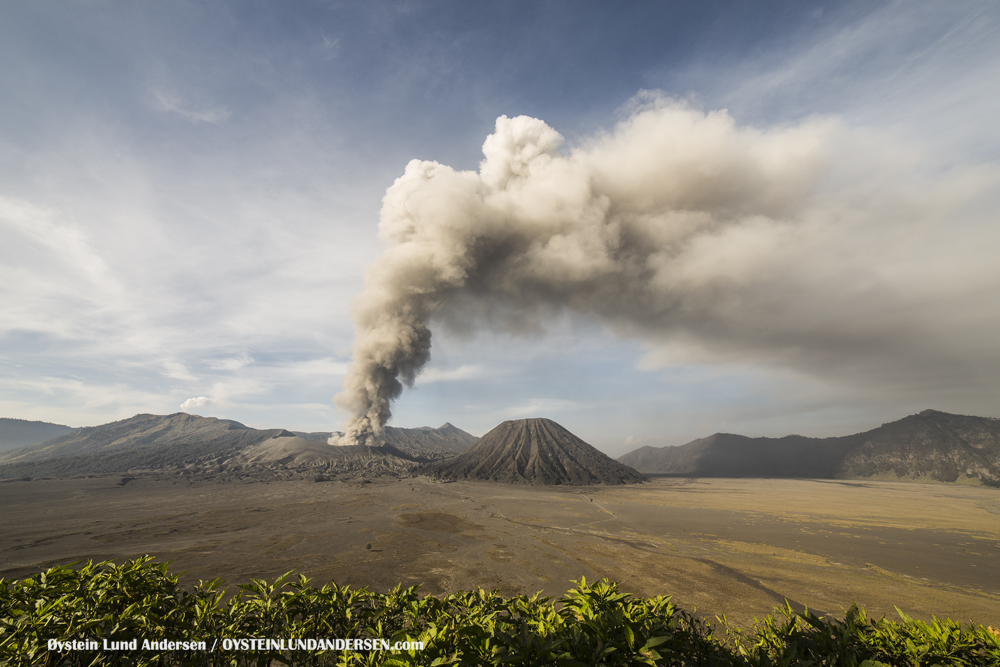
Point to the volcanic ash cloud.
(644, 227)
(850, 259)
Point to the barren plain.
(722, 546)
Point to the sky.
(191, 194)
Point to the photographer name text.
(245, 644)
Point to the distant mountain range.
(220, 447)
(534, 451)
(527, 451)
(927, 446)
(930, 445)
(16, 433)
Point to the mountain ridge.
(181, 442)
(17, 433)
(928, 446)
(423, 441)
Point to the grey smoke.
(706, 240)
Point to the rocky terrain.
(534, 451)
(16, 433)
(221, 450)
(931, 445)
(422, 442)
(938, 445)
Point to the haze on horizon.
(191, 197)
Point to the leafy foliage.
(591, 625)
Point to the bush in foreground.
(591, 625)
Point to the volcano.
(537, 452)
(223, 449)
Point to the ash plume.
(702, 238)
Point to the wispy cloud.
(47, 264)
(231, 363)
(464, 372)
(169, 102)
(539, 407)
(916, 68)
(326, 367)
(178, 371)
(77, 401)
(329, 48)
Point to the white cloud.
(67, 242)
(47, 264)
(197, 402)
(219, 404)
(178, 371)
(464, 372)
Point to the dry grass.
(738, 547)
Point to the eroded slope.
(535, 451)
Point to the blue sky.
(190, 196)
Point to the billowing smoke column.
(640, 227)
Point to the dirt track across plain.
(738, 547)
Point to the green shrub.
(788, 638)
(591, 625)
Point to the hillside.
(141, 442)
(218, 448)
(534, 451)
(16, 433)
(444, 441)
(729, 455)
(930, 445)
(424, 442)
